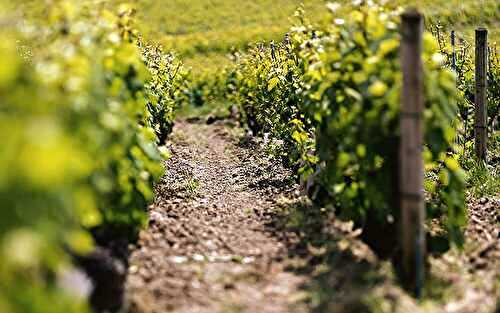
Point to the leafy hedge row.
(79, 132)
(329, 98)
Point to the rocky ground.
(229, 232)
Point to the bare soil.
(469, 280)
(208, 247)
(230, 232)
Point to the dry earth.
(229, 233)
(209, 247)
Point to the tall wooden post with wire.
(480, 124)
(411, 160)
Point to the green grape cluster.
(80, 150)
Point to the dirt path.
(228, 233)
(210, 246)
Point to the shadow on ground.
(343, 274)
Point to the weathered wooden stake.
(480, 125)
(454, 69)
(453, 53)
(411, 161)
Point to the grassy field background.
(203, 32)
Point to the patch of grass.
(203, 32)
(483, 180)
(192, 185)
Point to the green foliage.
(206, 27)
(85, 107)
(331, 96)
(267, 85)
(464, 68)
(483, 179)
(165, 90)
(206, 87)
(79, 149)
(354, 99)
(208, 30)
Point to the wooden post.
(411, 160)
(480, 125)
(453, 53)
(454, 69)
